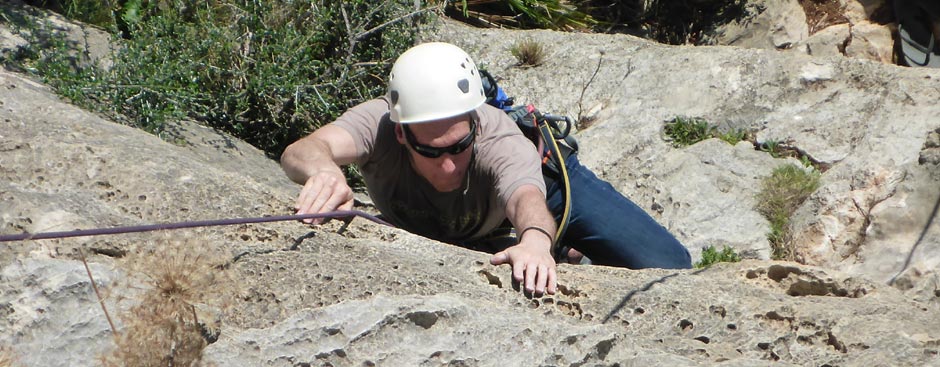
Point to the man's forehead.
(443, 126)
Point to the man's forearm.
(527, 209)
(532, 262)
(325, 150)
(305, 158)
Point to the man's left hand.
(532, 265)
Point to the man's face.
(441, 138)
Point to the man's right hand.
(314, 161)
(323, 192)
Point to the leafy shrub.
(687, 21)
(673, 22)
(685, 131)
(734, 137)
(527, 14)
(97, 12)
(781, 194)
(773, 147)
(267, 72)
(711, 256)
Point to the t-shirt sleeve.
(362, 122)
(507, 155)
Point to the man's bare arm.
(531, 259)
(314, 162)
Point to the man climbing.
(440, 163)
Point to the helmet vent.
(394, 96)
(464, 85)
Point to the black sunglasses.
(434, 152)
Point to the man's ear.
(399, 134)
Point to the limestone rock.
(769, 24)
(863, 40)
(412, 331)
(859, 11)
(675, 183)
(90, 45)
(853, 28)
(755, 312)
(51, 315)
(363, 294)
(830, 41)
(866, 123)
(871, 41)
(95, 182)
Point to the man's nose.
(447, 163)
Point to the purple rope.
(178, 225)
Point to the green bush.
(673, 21)
(685, 131)
(710, 256)
(97, 12)
(734, 137)
(781, 194)
(527, 14)
(267, 72)
(686, 21)
(773, 147)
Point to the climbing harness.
(191, 224)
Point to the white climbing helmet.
(432, 81)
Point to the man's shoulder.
(495, 124)
(377, 106)
(490, 113)
(367, 114)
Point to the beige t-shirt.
(503, 160)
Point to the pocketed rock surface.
(363, 294)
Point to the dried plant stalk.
(163, 329)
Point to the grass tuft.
(775, 148)
(685, 131)
(165, 328)
(781, 194)
(529, 53)
(711, 256)
(734, 137)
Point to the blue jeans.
(610, 229)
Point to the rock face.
(50, 316)
(757, 313)
(92, 45)
(854, 28)
(868, 125)
(363, 294)
(768, 25)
